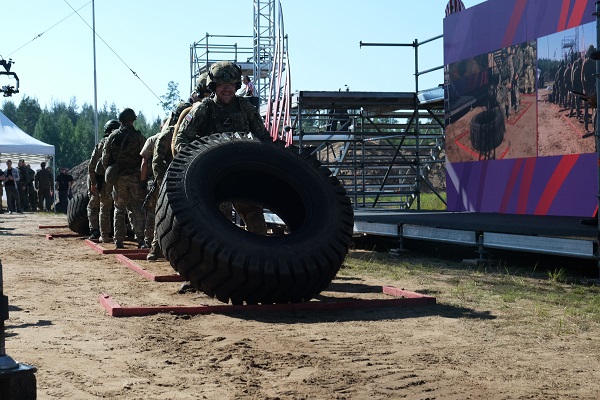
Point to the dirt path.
(444, 351)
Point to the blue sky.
(153, 38)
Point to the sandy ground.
(430, 352)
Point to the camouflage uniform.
(101, 202)
(530, 63)
(588, 80)
(151, 198)
(127, 193)
(577, 86)
(208, 117)
(558, 84)
(568, 85)
(507, 72)
(518, 70)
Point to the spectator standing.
(11, 178)
(43, 185)
(23, 184)
(64, 182)
(31, 189)
(1, 190)
(248, 89)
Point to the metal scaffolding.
(254, 54)
(380, 145)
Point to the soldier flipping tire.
(233, 264)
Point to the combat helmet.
(223, 72)
(201, 83)
(111, 125)
(127, 115)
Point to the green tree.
(28, 112)
(171, 98)
(10, 110)
(68, 151)
(83, 138)
(46, 129)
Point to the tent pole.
(95, 85)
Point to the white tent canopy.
(16, 144)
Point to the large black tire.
(235, 265)
(77, 217)
(487, 130)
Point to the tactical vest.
(233, 120)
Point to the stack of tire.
(234, 265)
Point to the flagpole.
(95, 85)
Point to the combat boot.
(95, 234)
(154, 254)
(119, 245)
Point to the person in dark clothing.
(43, 185)
(64, 182)
(30, 188)
(22, 185)
(2, 176)
(11, 178)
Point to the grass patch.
(430, 201)
(552, 302)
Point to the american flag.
(454, 6)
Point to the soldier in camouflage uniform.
(518, 70)
(530, 67)
(568, 85)
(588, 80)
(163, 150)
(225, 112)
(122, 149)
(558, 83)
(147, 173)
(507, 72)
(101, 202)
(577, 86)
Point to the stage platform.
(559, 235)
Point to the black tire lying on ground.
(77, 217)
(235, 265)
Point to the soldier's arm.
(92, 166)
(182, 116)
(159, 162)
(190, 126)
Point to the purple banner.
(496, 24)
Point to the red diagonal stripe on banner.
(514, 174)
(562, 20)
(577, 13)
(513, 24)
(526, 179)
(558, 177)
